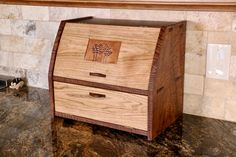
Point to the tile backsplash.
(27, 34)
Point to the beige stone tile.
(37, 46)
(5, 58)
(232, 72)
(219, 37)
(12, 71)
(12, 44)
(10, 12)
(33, 78)
(5, 27)
(17, 72)
(99, 13)
(130, 14)
(233, 43)
(4, 70)
(195, 64)
(196, 42)
(62, 13)
(44, 63)
(234, 25)
(196, 21)
(193, 84)
(230, 111)
(35, 13)
(217, 88)
(232, 96)
(47, 30)
(23, 28)
(209, 21)
(26, 61)
(37, 79)
(234, 22)
(25, 45)
(154, 15)
(213, 107)
(193, 104)
(219, 21)
(177, 16)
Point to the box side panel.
(166, 81)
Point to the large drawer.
(120, 108)
(135, 55)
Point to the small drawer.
(129, 110)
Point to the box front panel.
(129, 110)
(116, 55)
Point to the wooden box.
(121, 74)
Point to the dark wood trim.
(105, 124)
(165, 89)
(51, 66)
(129, 23)
(152, 80)
(168, 58)
(53, 60)
(100, 85)
(203, 5)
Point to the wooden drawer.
(133, 65)
(129, 110)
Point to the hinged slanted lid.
(109, 54)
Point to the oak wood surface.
(101, 85)
(53, 59)
(129, 110)
(134, 62)
(165, 90)
(206, 5)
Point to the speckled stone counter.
(26, 130)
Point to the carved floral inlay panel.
(103, 51)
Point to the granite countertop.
(26, 130)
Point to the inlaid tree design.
(107, 51)
(101, 50)
(97, 49)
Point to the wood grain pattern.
(134, 62)
(124, 109)
(163, 98)
(204, 5)
(53, 59)
(101, 123)
(101, 85)
(166, 81)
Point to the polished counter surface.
(27, 130)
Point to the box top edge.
(124, 22)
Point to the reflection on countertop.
(26, 130)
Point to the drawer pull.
(97, 74)
(96, 95)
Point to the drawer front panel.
(131, 65)
(129, 110)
